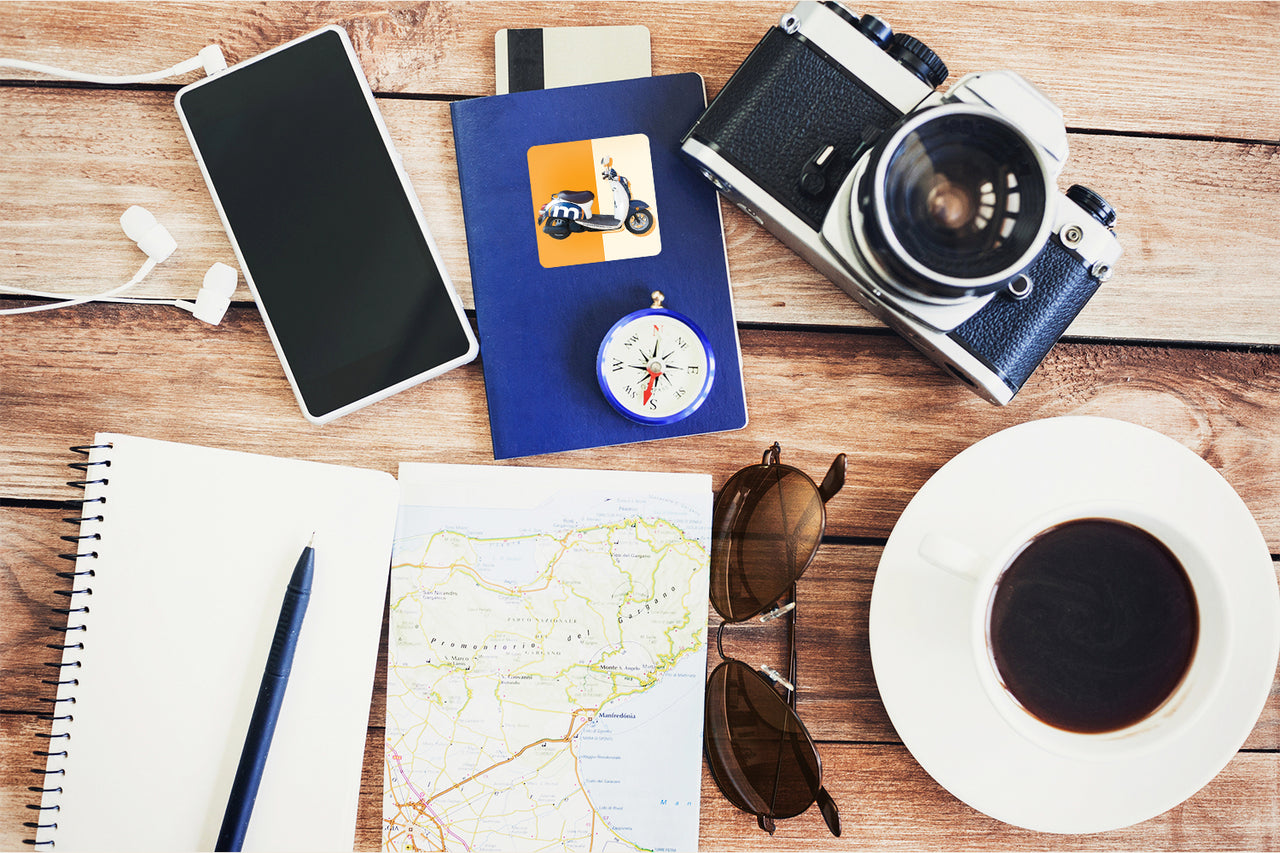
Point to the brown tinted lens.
(759, 752)
(767, 524)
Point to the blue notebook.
(543, 305)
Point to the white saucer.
(920, 619)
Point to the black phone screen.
(342, 269)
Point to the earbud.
(211, 60)
(151, 237)
(211, 302)
(215, 295)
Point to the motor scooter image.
(569, 211)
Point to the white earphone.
(152, 237)
(138, 223)
(155, 240)
(215, 294)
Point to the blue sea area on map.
(640, 760)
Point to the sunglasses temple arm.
(830, 814)
(834, 481)
(793, 660)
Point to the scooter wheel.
(640, 222)
(556, 229)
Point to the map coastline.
(546, 663)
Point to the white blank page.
(196, 552)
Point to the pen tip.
(312, 541)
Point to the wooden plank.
(1096, 62)
(369, 813)
(1196, 207)
(888, 802)
(20, 734)
(29, 546)
(66, 376)
(838, 698)
(1199, 242)
(886, 799)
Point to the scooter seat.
(576, 196)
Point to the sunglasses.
(767, 524)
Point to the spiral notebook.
(184, 556)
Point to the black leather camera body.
(939, 212)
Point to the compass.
(655, 366)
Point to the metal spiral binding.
(88, 512)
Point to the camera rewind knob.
(1093, 204)
(917, 58)
(841, 11)
(875, 29)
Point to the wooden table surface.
(1172, 116)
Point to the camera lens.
(958, 201)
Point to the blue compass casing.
(655, 366)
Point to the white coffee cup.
(983, 563)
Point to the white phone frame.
(473, 348)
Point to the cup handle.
(951, 555)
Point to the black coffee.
(1093, 625)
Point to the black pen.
(262, 726)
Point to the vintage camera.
(939, 212)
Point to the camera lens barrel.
(955, 202)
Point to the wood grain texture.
(887, 800)
(1170, 107)
(65, 376)
(1138, 67)
(1196, 218)
(838, 699)
(29, 546)
(877, 784)
(20, 734)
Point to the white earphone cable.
(154, 240)
(209, 58)
(40, 68)
(127, 300)
(142, 273)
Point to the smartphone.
(325, 225)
